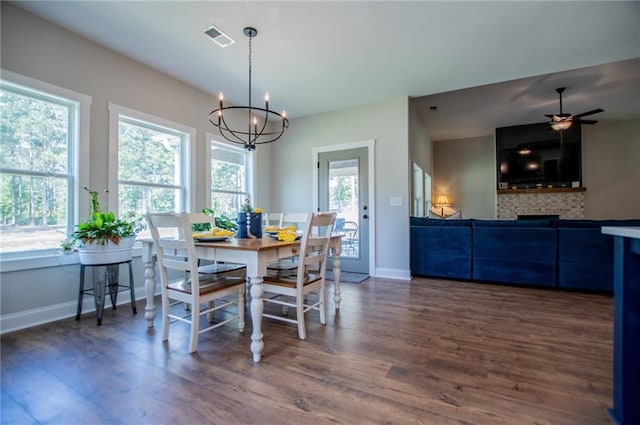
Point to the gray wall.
(611, 169)
(387, 124)
(465, 169)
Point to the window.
(231, 175)
(41, 126)
(151, 165)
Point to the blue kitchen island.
(626, 325)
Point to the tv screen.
(535, 156)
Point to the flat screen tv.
(535, 156)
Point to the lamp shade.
(442, 201)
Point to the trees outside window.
(230, 178)
(39, 134)
(152, 164)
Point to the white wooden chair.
(288, 265)
(272, 219)
(309, 276)
(178, 254)
(294, 219)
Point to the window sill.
(45, 259)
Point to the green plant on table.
(221, 222)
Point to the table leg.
(257, 307)
(150, 289)
(337, 297)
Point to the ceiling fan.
(563, 121)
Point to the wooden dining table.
(255, 254)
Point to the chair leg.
(210, 314)
(302, 333)
(195, 324)
(241, 310)
(165, 317)
(323, 318)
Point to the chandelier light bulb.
(266, 97)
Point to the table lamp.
(442, 202)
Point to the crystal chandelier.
(252, 135)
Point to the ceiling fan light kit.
(250, 136)
(563, 121)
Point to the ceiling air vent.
(221, 39)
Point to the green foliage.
(224, 222)
(221, 221)
(102, 227)
(246, 206)
(147, 155)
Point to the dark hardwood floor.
(420, 352)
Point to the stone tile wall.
(567, 205)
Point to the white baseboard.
(400, 274)
(28, 318)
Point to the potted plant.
(103, 238)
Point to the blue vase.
(255, 225)
(242, 226)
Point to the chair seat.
(208, 283)
(289, 281)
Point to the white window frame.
(188, 157)
(79, 162)
(251, 167)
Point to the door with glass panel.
(343, 188)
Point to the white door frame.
(370, 145)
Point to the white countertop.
(627, 232)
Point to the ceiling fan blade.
(584, 114)
(585, 121)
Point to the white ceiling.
(315, 57)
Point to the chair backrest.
(314, 247)
(295, 219)
(201, 218)
(177, 253)
(272, 219)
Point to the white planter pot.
(93, 253)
